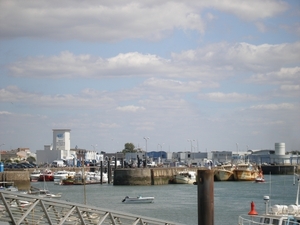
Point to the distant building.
(59, 150)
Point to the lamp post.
(237, 150)
(0, 152)
(146, 139)
(191, 143)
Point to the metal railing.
(17, 208)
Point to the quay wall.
(280, 169)
(147, 176)
(21, 179)
(133, 176)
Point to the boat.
(68, 181)
(185, 177)
(245, 172)
(260, 178)
(138, 199)
(46, 175)
(90, 178)
(223, 173)
(35, 175)
(45, 194)
(276, 214)
(61, 175)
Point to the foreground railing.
(17, 208)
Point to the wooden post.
(205, 182)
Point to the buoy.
(252, 211)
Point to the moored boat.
(223, 173)
(138, 199)
(276, 214)
(61, 175)
(35, 175)
(185, 177)
(245, 172)
(45, 194)
(46, 175)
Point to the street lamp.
(0, 152)
(94, 146)
(191, 144)
(146, 139)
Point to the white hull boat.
(185, 177)
(276, 214)
(138, 200)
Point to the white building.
(60, 148)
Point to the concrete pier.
(147, 176)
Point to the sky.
(164, 75)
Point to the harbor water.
(178, 203)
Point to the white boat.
(260, 178)
(138, 199)
(185, 177)
(276, 214)
(62, 175)
(45, 194)
(35, 175)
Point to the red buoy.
(252, 211)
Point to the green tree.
(129, 147)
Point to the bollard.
(101, 172)
(205, 182)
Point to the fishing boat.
(138, 199)
(185, 177)
(245, 172)
(276, 214)
(223, 173)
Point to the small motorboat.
(138, 199)
(260, 178)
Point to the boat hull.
(138, 200)
(185, 178)
(223, 175)
(244, 175)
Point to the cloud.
(130, 108)
(227, 97)
(97, 21)
(274, 107)
(216, 61)
(5, 113)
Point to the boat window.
(275, 222)
(267, 220)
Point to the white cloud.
(281, 106)
(97, 21)
(227, 97)
(130, 108)
(284, 75)
(212, 62)
(5, 113)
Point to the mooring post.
(101, 172)
(205, 182)
(108, 171)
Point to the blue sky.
(214, 72)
